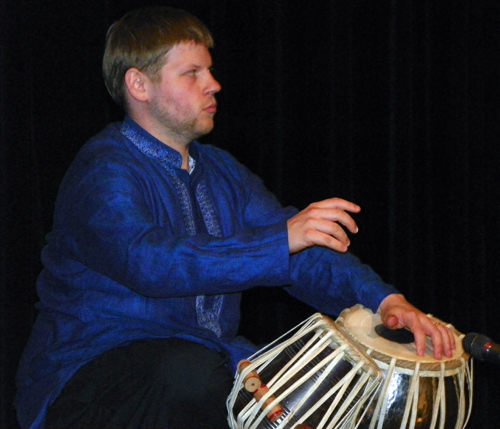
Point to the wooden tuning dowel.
(254, 385)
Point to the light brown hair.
(142, 38)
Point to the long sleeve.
(114, 222)
(331, 281)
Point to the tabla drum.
(417, 392)
(311, 377)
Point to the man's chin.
(204, 131)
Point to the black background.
(391, 104)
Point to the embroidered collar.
(152, 147)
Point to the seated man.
(156, 236)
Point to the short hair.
(142, 38)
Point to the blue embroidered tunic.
(143, 249)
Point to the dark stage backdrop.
(391, 104)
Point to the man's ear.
(135, 82)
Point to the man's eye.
(192, 72)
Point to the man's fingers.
(397, 313)
(420, 340)
(442, 338)
(334, 216)
(323, 224)
(448, 340)
(339, 242)
(338, 204)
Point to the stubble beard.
(182, 127)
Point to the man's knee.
(195, 372)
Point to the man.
(155, 236)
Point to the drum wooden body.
(312, 377)
(417, 392)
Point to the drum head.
(364, 327)
(417, 392)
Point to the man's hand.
(398, 313)
(321, 224)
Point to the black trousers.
(165, 383)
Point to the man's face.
(182, 103)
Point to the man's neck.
(172, 140)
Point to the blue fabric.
(142, 249)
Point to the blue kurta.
(142, 249)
